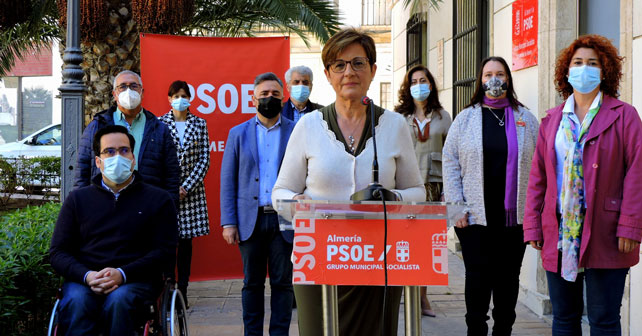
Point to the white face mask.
(129, 99)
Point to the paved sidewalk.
(216, 309)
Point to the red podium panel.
(346, 251)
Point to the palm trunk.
(104, 58)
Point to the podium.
(342, 243)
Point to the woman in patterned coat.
(190, 136)
(486, 163)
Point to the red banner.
(220, 73)
(524, 34)
(350, 252)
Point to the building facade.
(28, 93)
(373, 16)
(452, 40)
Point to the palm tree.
(417, 5)
(111, 29)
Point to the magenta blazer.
(613, 188)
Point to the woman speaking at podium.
(329, 157)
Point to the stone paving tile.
(216, 309)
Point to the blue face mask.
(300, 93)
(180, 104)
(420, 92)
(117, 168)
(584, 78)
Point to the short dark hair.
(267, 76)
(343, 39)
(108, 130)
(177, 86)
(478, 96)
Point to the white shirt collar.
(569, 106)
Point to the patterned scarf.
(573, 203)
(510, 191)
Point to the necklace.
(501, 121)
(351, 137)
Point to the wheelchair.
(165, 317)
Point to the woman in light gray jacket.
(486, 163)
(428, 123)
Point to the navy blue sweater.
(137, 232)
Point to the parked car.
(44, 142)
(27, 164)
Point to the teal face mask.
(584, 78)
(117, 168)
(300, 93)
(420, 92)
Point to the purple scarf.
(510, 193)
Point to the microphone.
(374, 191)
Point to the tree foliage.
(22, 38)
(229, 18)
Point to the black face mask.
(269, 107)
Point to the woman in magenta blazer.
(583, 206)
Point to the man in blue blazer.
(251, 161)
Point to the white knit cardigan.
(463, 161)
(316, 164)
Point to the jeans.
(82, 312)
(493, 259)
(266, 252)
(604, 290)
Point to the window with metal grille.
(470, 45)
(416, 41)
(385, 95)
(376, 12)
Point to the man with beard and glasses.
(251, 161)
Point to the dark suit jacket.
(288, 110)
(240, 177)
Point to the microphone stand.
(376, 192)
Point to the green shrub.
(27, 281)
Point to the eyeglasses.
(111, 151)
(357, 63)
(132, 86)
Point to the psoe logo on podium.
(440, 253)
(403, 251)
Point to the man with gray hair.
(253, 154)
(154, 149)
(299, 82)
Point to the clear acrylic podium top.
(288, 209)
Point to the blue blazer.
(240, 177)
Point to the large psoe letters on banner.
(220, 73)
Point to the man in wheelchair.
(111, 243)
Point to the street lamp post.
(72, 92)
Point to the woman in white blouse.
(329, 157)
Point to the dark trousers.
(267, 252)
(604, 290)
(81, 312)
(184, 264)
(493, 259)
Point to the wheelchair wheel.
(174, 314)
(53, 320)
